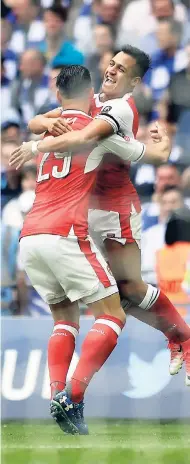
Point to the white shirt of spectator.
(139, 20)
(36, 33)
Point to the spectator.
(177, 97)
(13, 211)
(104, 43)
(31, 90)
(9, 57)
(141, 18)
(167, 61)
(13, 275)
(55, 44)
(100, 12)
(51, 101)
(153, 239)
(175, 110)
(11, 127)
(166, 176)
(185, 182)
(176, 252)
(28, 27)
(5, 88)
(10, 179)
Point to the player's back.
(62, 189)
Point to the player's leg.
(86, 276)
(65, 314)
(126, 264)
(37, 254)
(61, 344)
(99, 342)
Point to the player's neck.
(103, 97)
(77, 105)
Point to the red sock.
(96, 348)
(170, 322)
(60, 351)
(186, 346)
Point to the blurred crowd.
(37, 38)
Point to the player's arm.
(95, 131)
(157, 150)
(51, 122)
(101, 127)
(79, 139)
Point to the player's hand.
(58, 126)
(21, 155)
(157, 131)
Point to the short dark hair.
(178, 227)
(143, 60)
(74, 80)
(58, 10)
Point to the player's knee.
(121, 315)
(133, 290)
(65, 311)
(110, 306)
(113, 308)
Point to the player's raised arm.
(155, 151)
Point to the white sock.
(150, 298)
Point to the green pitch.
(110, 442)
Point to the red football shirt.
(62, 190)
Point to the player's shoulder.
(120, 106)
(78, 119)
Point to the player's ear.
(59, 98)
(135, 81)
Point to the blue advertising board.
(134, 383)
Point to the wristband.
(35, 150)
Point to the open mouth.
(109, 81)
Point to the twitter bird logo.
(148, 378)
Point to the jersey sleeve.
(118, 113)
(128, 149)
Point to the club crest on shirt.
(127, 138)
(106, 109)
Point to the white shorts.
(123, 228)
(60, 267)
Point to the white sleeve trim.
(128, 150)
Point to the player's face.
(170, 202)
(119, 76)
(166, 176)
